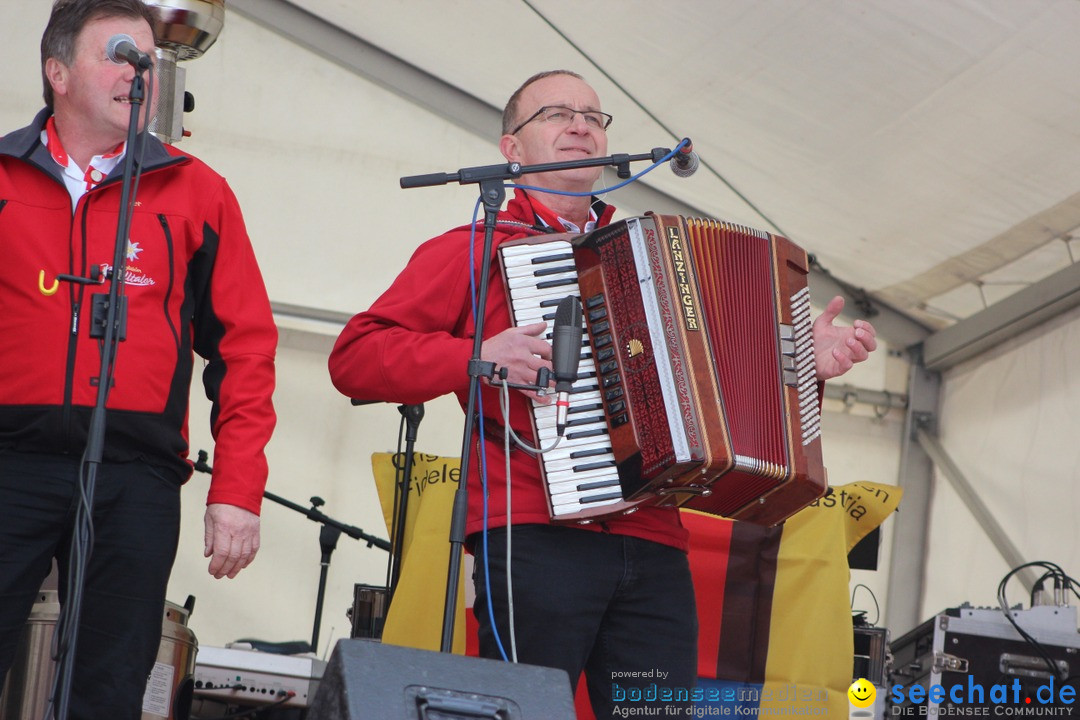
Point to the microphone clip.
(97, 277)
(544, 377)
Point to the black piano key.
(595, 465)
(601, 498)
(554, 270)
(586, 349)
(595, 407)
(561, 257)
(597, 484)
(553, 302)
(593, 452)
(586, 434)
(578, 422)
(591, 387)
(545, 284)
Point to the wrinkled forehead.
(96, 32)
(564, 90)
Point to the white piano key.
(568, 480)
(554, 466)
(576, 503)
(564, 450)
(540, 271)
(530, 281)
(549, 434)
(524, 253)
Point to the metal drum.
(29, 681)
(172, 682)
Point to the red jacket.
(414, 345)
(192, 286)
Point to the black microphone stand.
(328, 537)
(412, 414)
(491, 179)
(113, 329)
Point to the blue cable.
(482, 454)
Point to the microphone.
(566, 340)
(686, 161)
(121, 49)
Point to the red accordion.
(697, 386)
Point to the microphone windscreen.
(567, 334)
(685, 164)
(568, 312)
(113, 45)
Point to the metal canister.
(172, 681)
(29, 681)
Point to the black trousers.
(619, 608)
(136, 529)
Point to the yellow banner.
(415, 618)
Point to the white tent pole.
(907, 564)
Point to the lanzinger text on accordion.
(697, 385)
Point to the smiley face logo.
(862, 693)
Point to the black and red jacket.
(192, 286)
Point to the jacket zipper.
(172, 276)
(76, 294)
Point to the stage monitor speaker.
(366, 680)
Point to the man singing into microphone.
(613, 598)
(191, 285)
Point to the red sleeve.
(414, 343)
(234, 331)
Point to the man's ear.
(510, 147)
(57, 75)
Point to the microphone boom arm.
(512, 171)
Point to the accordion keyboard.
(580, 473)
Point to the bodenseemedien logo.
(974, 699)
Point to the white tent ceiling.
(923, 150)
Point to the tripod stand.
(328, 537)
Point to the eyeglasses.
(559, 115)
